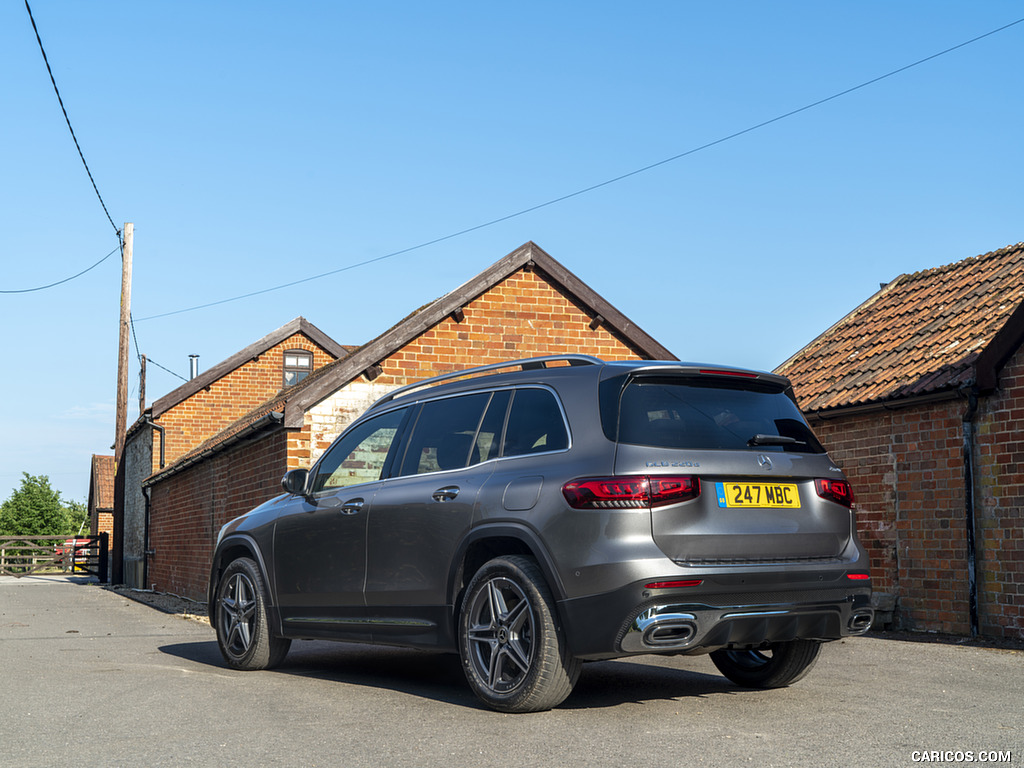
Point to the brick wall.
(999, 504)
(207, 412)
(523, 316)
(907, 471)
(102, 522)
(189, 508)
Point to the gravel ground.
(184, 607)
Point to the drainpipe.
(146, 491)
(972, 570)
(146, 551)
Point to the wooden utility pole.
(121, 417)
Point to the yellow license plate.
(762, 495)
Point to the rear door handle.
(351, 507)
(446, 494)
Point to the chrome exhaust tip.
(670, 634)
(860, 622)
(659, 629)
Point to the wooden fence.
(24, 555)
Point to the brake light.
(838, 491)
(723, 372)
(630, 492)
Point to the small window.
(535, 424)
(297, 365)
(361, 455)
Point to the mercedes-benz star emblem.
(765, 462)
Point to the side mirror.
(294, 481)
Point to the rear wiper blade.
(774, 440)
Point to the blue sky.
(255, 144)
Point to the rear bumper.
(635, 620)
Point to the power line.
(154, 362)
(138, 352)
(67, 119)
(599, 185)
(66, 279)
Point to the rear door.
(422, 512)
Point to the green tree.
(35, 509)
(77, 514)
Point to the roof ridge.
(999, 252)
(924, 332)
(299, 325)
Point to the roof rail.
(528, 364)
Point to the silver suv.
(540, 513)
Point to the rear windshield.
(704, 414)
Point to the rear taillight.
(838, 491)
(630, 492)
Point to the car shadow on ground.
(439, 676)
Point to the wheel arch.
(230, 549)
(489, 541)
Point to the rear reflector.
(858, 576)
(838, 491)
(630, 492)
(674, 584)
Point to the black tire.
(240, 618)
(513, 652)
(777, 666)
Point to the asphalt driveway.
(90, 678)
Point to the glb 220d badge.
(673, 463)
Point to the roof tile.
(921, 333)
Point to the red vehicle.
(74, 553)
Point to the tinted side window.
(443, 437)
(360, 455)
(535, 424)
(488, 439)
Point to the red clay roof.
(101, 483)
(920, 334)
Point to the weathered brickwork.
(908, 474)
(102, 523)
(999, 503)
(207, 412)
(522, 316)
(189, 508)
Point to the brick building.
(919, 394)
(525, 305)
(199, 409)
(101, 495)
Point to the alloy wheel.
(501, 635)
(238, 614)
